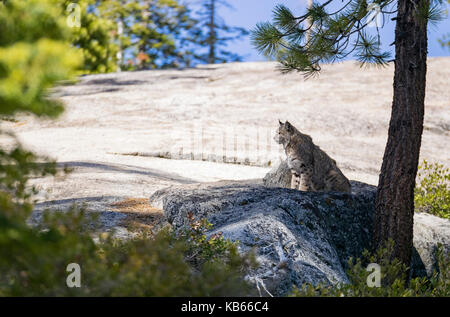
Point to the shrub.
(394, 279)
(35, 54)
(431, 194)
(33, 260)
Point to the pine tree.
(336, 35)
(121, 13)
(217, 34)
(35, 53)
(151, 30)
(161, 44)
(93, 38)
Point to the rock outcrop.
(429, 231)
(279, 176)
(298, 236)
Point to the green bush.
(33, 260)
(35, 54)
(93, 38)
(432, 194)
(394, 279)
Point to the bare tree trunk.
(212, 33)
(309, 22)
(395, 196)
(120, 51)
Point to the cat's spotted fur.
(312, 169)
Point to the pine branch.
(330, 39)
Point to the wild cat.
(312, 169)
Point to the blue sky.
(247, 13)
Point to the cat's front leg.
(295, 180)
(306, 180)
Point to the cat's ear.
(281, 123)
(288, 126)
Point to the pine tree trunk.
(395, 195)
(212, 33)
